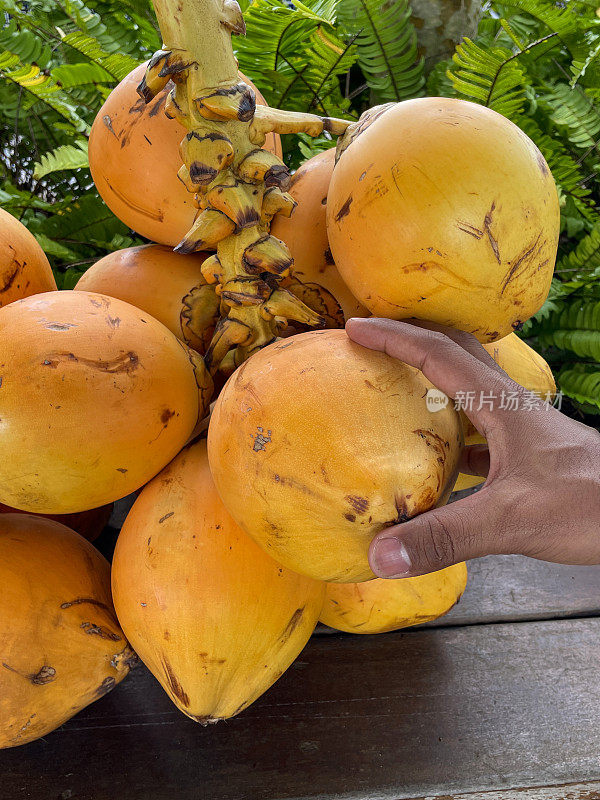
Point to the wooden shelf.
(502, 695)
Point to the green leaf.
(551, 305)
(313, 145)
(41, 86)
(116, 64)
(574, 326)
(70, 277)
(66, 156)
(439, 84)
(489, 75)
(586, 57)
(584, 259)
(387, 47)
(563, 21)
(52, 248)
(294, 55)
(582, 383)
(575, 111)
(25, 44)
(69, 76)
(86, 220)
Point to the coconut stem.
(238, 187)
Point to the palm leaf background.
(387, 51)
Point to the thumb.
(437, 539)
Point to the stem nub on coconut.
(238, 186)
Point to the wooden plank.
(570, 791)
(510, 588)
(405, 715)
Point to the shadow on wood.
(427, 712)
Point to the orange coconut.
(24, 268)
(214, 617)
(165, 284)
(444, 210)
(379, 605)
(305, 233)
(88, 524)
(60, 643)
(96, 397)
(316, 444)
(525, 367)
(134, 159)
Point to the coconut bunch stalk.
(238, 187)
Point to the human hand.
(542, 493)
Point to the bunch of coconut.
(242, 538)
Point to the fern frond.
(489, 75)
(560, 20)
(387, 47)
(575, 327)
(582, 383)
(25, 44)
(271, 26)
(41, 86)
(330, 58)
(71, 76)
(66, 156)
(116, 64)
(83, 18)
(573, 110)
(294, 55)
(310, 146)
(119, 27)
(584, 260)
(85, 220)
(586, 56)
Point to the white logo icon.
(436, 400)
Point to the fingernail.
(389, 558)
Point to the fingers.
(439, 538)
(442, 360)
(466, 340)
(475, 460)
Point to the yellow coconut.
(134, 160)
(215, 618)
(467, 481)
(316, 444)
(88, 524)
(165, 284)
(305, 233)
(61, 647)
(24, 268)
(96, 397)
(381, 605)
(444, 210)
(525, 367)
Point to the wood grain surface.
(424, 713)
(568, 791)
